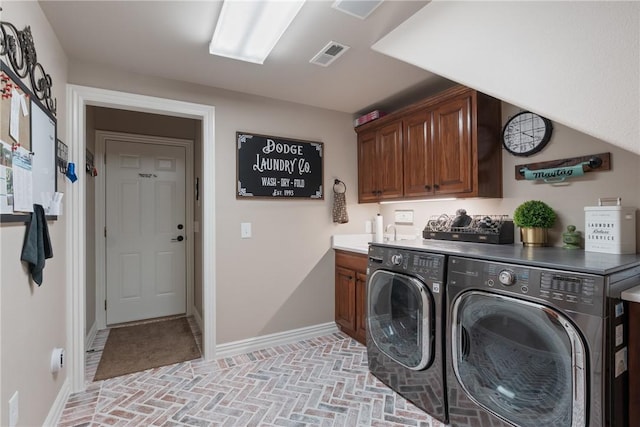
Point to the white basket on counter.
(610, 228)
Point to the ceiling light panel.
(249, 30)
(358, 8)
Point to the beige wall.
(567, 200)
(282, 278)
(32, 319)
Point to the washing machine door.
(399, 318)
(521, 361)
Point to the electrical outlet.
(403, 217)
(13, 410)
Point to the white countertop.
(632, 295)
(358, 243)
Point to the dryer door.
(522, 361)
(399, 318)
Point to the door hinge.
(105, 305)
(105, 231)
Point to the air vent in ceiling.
(329, 53)
(358, 8)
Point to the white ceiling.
(170, 39)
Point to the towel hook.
(337, 182)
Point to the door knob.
(178, 239)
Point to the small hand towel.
(37, 244)
(340, 214)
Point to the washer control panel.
(423, 264)
(396, 259)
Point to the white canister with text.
(610, 228)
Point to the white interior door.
(145, 231)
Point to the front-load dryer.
(532, 347)
(405, 303)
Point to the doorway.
(79, 97)
(144, 227)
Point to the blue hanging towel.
(37, 244)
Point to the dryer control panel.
(572, 291)
(567, 287)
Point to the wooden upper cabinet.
(446, 145)
(418, 165)
(453, 147)
(390, 160)
(367, 167)
(380, 164)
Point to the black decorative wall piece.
(274, 167)
(18, 48)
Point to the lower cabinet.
(351, 294)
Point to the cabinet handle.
(436, 186)
(427, 187)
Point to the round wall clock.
(526, 133)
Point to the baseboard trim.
(198, 319)
(272, 340)
(53, 417)
(91, 335)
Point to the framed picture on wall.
(278, 168)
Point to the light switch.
(245, 230)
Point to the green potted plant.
(534, 218)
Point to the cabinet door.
(418, 162)
(390, 160)
(452, 147)
(346, 299)
(361, 307)
(367, 168)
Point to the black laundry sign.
(271, 167)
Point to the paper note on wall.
(6, 179)
(14, 121)
(22, 181)
(18, 105)
(6, 194)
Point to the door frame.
(101, 138)
(78, 98)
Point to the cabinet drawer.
(353, 261)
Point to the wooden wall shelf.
(605, 164)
